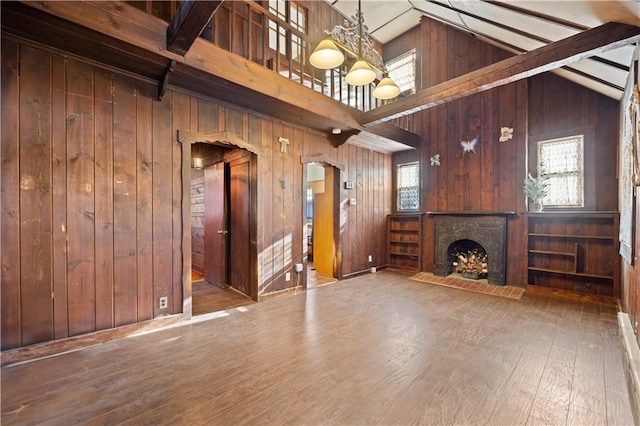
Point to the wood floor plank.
(208, 298)
(516, 401)
(551, 402)
(587, 387)
(581, 416)
(374, 349)
(618, 408)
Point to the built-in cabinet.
(574, 251)
(405, 241)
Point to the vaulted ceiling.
(517, 26)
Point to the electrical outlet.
(298, 267)
(370, 258)
(287, 276)
(164, 302)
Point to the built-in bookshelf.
(405, 241)
(574, 251)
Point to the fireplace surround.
(489, 230)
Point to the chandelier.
(352, 38)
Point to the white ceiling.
(517, 26)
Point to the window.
(561, 160)
(402, 70)
(277, 34)
(296, 16)
(298, 20)
(408, 181)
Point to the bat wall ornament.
(470, 146)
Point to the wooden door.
(215, 226)
(240, 224)
(323, 227)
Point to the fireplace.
(487, 230)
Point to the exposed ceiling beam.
(341, 138)
(552, 56)
(162, 87)
(395, 133)
(191, 18)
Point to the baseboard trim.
(59, 347)
(631, 363)
(572, 295)
(364, 271)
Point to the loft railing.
(244, 28)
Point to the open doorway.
(322, 221)
(220, 228)
(222, 257)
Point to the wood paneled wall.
(197, 220)
(630, 284)
(91, 194)
(559, 107)
(91, 217)
(490, 180)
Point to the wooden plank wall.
(491, 178)
(91, 196)
(630, 277)
(558, 106)
(197, 221)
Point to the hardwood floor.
(314, 279)
(374, 349)
(208, 298)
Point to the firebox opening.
(468, 257)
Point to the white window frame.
(555, 175)
(399, 203)
(402, 69)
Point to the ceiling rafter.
(191, 18)
(492, 22)
(552, 56)
(538, 15)
(529, 35)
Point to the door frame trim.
(228, 140)
(224, 139)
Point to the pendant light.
(386, 89)
(327, 55)
(361, 72)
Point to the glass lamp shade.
(360, 74)
(386, 89)
(326, 55)
(197, 163)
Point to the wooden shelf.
(577, 274)
(576, 251)
(552, 253)
(586, 237)
(405, 241)
(404, 254)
